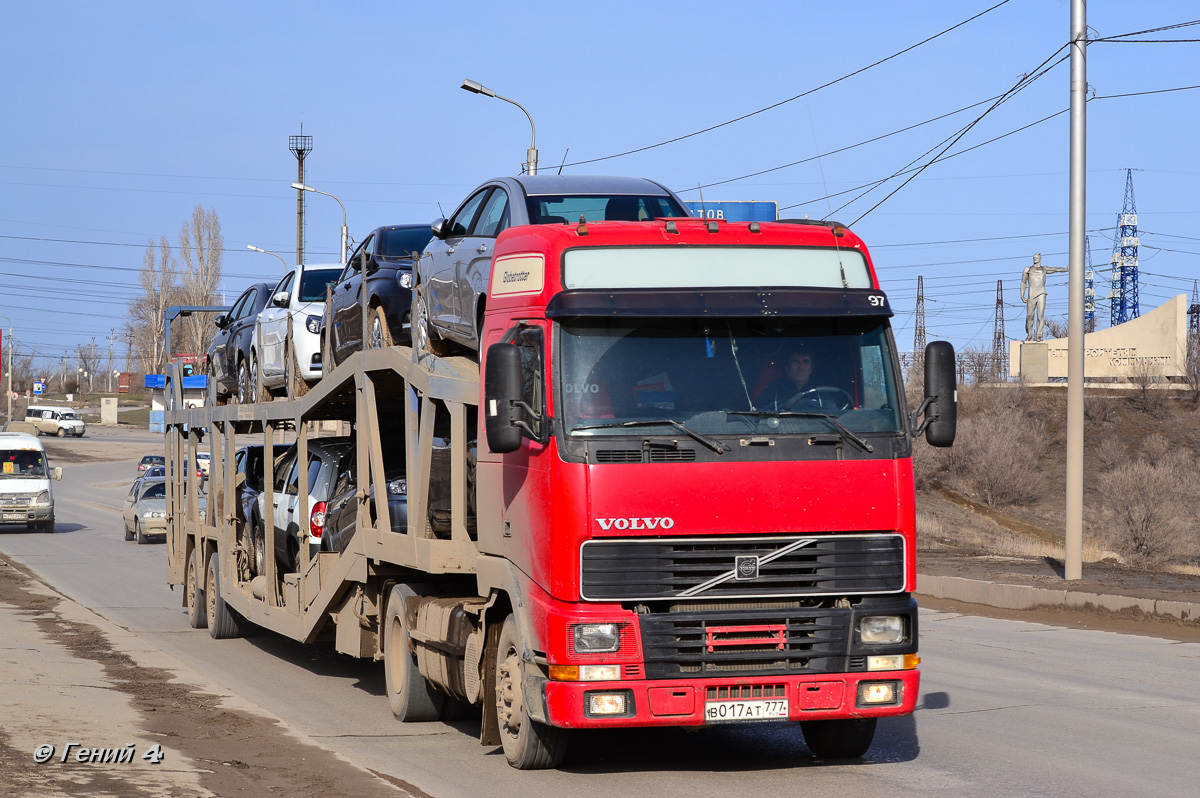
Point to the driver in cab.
(796, 390)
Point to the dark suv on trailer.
(453, 272)
(382, 267)
(228, 360)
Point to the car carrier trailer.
(637, 535)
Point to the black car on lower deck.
(381, 267)
(227, 363)
(249, 481)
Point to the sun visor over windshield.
(736, 302)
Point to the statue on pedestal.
(1033, 294)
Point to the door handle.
(450, 250)
(276, 504)
(482, 248)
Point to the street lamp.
(10, 366)
(268, 252)
(531, 155)
(345, 235)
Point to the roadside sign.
(39, 387)
(736, 211)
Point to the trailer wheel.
(411, 697)
(527, 745)
(838, 739)
(194, 593)
(223, 621)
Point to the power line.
(796, 97)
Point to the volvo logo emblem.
(745, 567)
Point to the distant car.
(453, 271)
(382, 267)
(324, 461)
(204, 460)
(155, 471)
(151, 460)
(60, 421)
(227, 362)
(145, 509)
(296, 307)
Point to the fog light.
(878, 693)
(596, 638)
(599, 673)
(881, 629)
(893, 662)
(606, 704)
(313, 324)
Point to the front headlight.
(881, 629)
(42, 498)
(596, 638)
(153, 514)
(405, 279)
(313, 324)
(398, 486)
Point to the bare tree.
(201, 247)
(159, 285)
(1149, 384)
(1056, 328)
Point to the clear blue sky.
(120, 117)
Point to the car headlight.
(881, 629)
(405, 279)
(398, 486)
(313, 324)
(153, 514)
(42, 498)
(596, 638)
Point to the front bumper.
(26, 515)
(682, 702)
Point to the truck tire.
(48, 527)
(527, 745)
(423, 337)
(223, 621)
(193, 594)
(838, 739)
(410, 696)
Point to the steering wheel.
(825, 397)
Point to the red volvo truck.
(692, 502)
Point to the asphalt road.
(1007, 708)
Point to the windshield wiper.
(839, 426)
(715, 445)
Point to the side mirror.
(440, 227)
(941, 394)
(501, 392)
(220, 321)
(280, 300)
(58, 472)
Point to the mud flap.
(489, 729)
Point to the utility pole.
(111, 333)
(999, 338)
(1073, 561)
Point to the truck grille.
(16, 501)
(745, 643)
(707, 568)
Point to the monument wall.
(1154, 343)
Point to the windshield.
(156, 490)
(314, 281)
(22, 463)
(68, 415)
(404, 242)
(604, 208)
(727, 376)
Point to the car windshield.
(68, 415)
(156, 490)
(314, 282)
(727, 376)
(22, 463)
(600, 208)
(403, 242)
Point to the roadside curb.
(1026, 597)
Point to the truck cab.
(26, 492)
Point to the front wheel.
(62, 432)
(527, 745)
(381, 334)
(410, 696)
(139, 534)
(838, 739)
(422, 332)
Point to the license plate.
(741, 711)
(14, 516)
